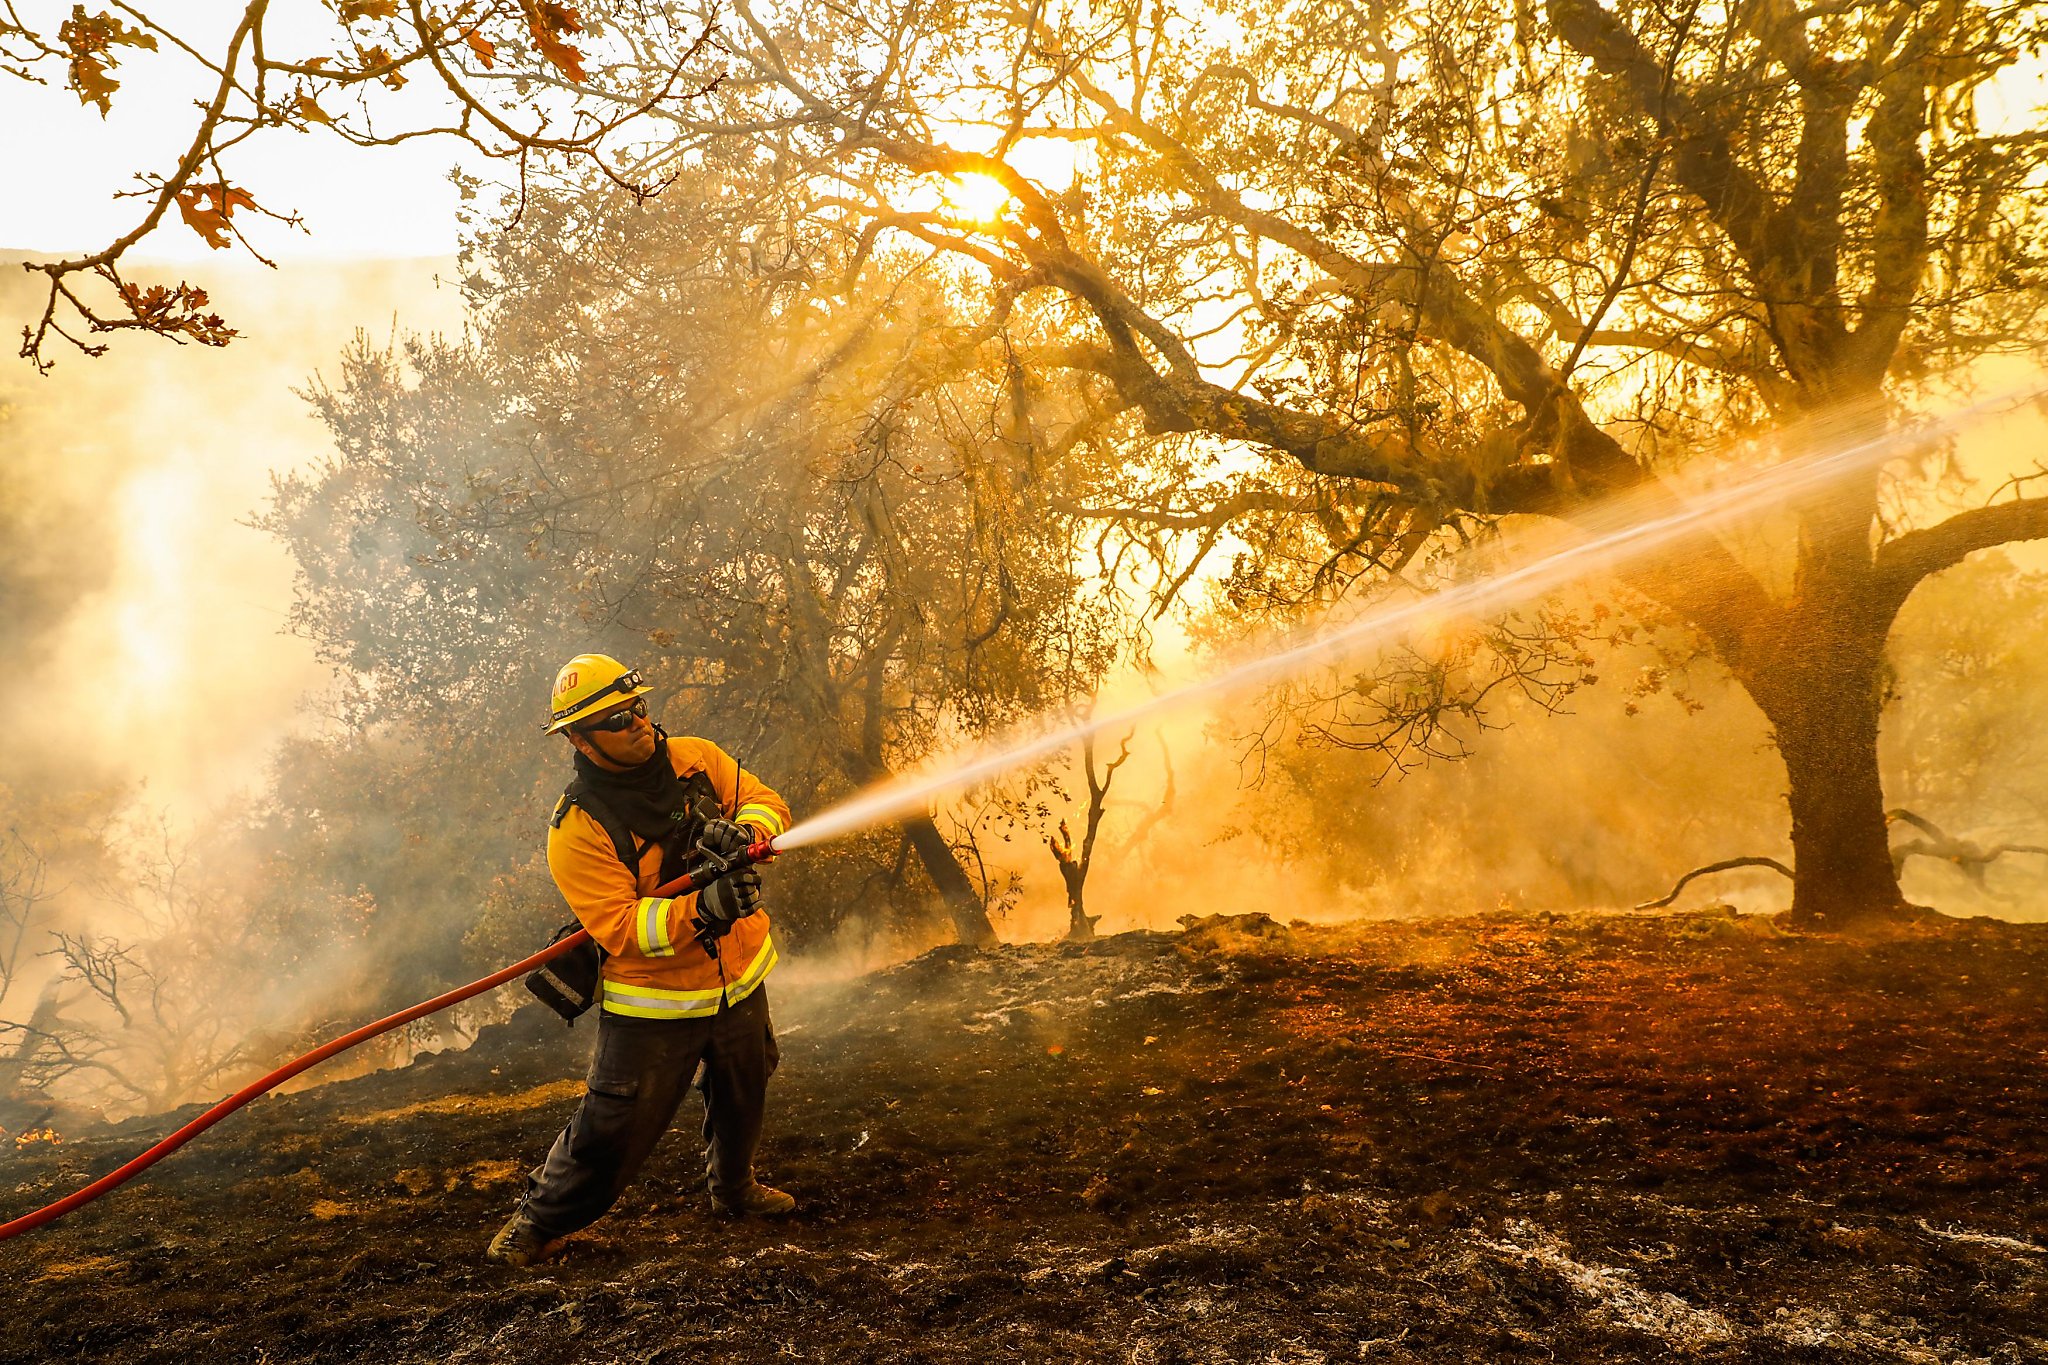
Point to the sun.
(976, 198)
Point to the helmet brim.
(592, 707)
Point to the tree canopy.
(1484, 261)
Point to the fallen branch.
(1721, 866)
(1970, 858)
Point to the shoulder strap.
(579, 793)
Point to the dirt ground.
(1602, 1138)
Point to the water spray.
(1619, 540)
(1623, 541)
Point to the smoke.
(142, 618)
(1593, 807)
(148, 680)
(1601, 807)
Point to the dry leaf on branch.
(176, 311)
(373, 58)
(206, 209)
(548, 23)
(91, 39)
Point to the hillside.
(1595, 1139)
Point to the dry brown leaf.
(374, 57)
(548, 23)
(206, 209)
(176, 311)
(91, 39)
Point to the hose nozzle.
(715, 866)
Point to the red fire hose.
(28, 1222)
(50, 1213)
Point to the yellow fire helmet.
(588, 684)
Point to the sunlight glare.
(976, 198)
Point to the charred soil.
(1585, 1139)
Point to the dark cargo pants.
(636, 1082)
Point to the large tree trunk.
(1823, 698)
(1841, 859)
(1813, 662)
(970, 916)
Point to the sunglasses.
(619, 720)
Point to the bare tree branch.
(1727, 864)
(1903, 562)
(253, 91)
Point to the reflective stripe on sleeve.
(650, 926)
(762, 818)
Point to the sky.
(390, 201)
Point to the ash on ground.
(1597, 1138)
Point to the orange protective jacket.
(655, 969)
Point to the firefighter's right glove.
(730, 898)
(725, 838)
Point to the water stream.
(1616, 537)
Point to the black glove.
(725, 838)
(730, 898)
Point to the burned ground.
(1597, 1138)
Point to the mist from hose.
(1616, 539)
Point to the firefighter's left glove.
(730, 897)
(725, 838)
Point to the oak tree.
(1489, 261)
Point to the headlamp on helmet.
(589, 684)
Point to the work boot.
(762, 1201)
(520, 1244)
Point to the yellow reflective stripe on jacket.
(652, 1002)
(762, 818)
(655, 1002)
(764, 962)
(650, 926)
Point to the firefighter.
(681, 976)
